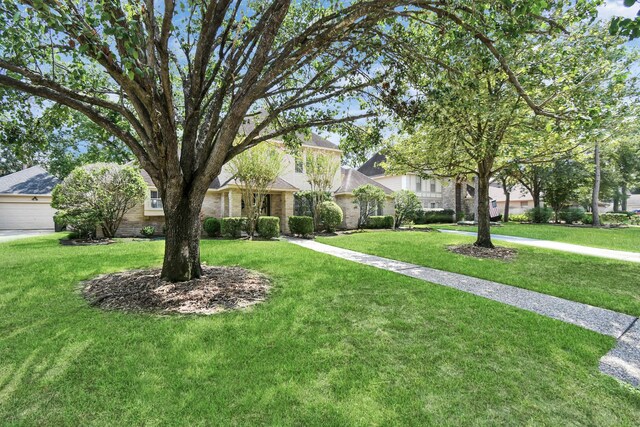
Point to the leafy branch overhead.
(178, 81)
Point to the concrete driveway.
(8, 235)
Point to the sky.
(605, 12)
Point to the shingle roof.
(518, 193)
(372, 166)
(226, 178)
(34, 180)
(312, 140)
(352, 179)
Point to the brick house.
(224, 198)
(433, 193)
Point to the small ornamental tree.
(368, 197)
(563, 183)
(320, 170)
(256, 170)
(99, 193)
(407, 206)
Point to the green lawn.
(337, 343)
(597, 281)
(622, 239)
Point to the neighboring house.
(433, 193)
(224, 198)
(633, 202)
(520, 200)
(25, 200)
(352, 179)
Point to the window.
(418, 184)
(299, 164)
(524, 204)
(433, 205)
(155, 200)
(380, 209)
(433, 185)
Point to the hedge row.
(376, 221)
(433, 217)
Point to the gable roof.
(352, 179)
(34, 180)
(312, 140)
(225, 179)
(518, 193)
(372, 166)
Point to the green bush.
(571, 215)
(268, 227)
(148, 231)
(628, 214)
(634, 220)
(588, 219)
(614, 218)
(539, 215)
(330, 216)
(437, 216)
(378, 221)
(518, 218)
(232, 227)
(301, 225)
(211, 226)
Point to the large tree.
(474, 122)
(175, 81)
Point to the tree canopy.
(178, 81)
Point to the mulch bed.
(500, 253)
(85, 242)
(219, 289)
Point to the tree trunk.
(475, 199)
(596, 187)
(616, 200)
(484, 222)
(182, 239)
(507, 200)
(535, 194)
(623, 200)
(458, 200)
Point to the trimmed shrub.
(268, 227)
(628, 214)
(301, 225)
(614, 218)
(634, 220)
(539, 215)
(148, 231)
(587, 219)
(379, 221)
(518, 218)
(232, 227)
(436, 216)
(330, 216)
(211, 226)
(571, 215)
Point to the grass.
(596, 281)
(622, 239)
(337, 343)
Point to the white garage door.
(26, 216)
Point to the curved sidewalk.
(558, 246)
(623, 362)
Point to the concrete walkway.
(623, 362)
(558, 246)
(9, 235)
